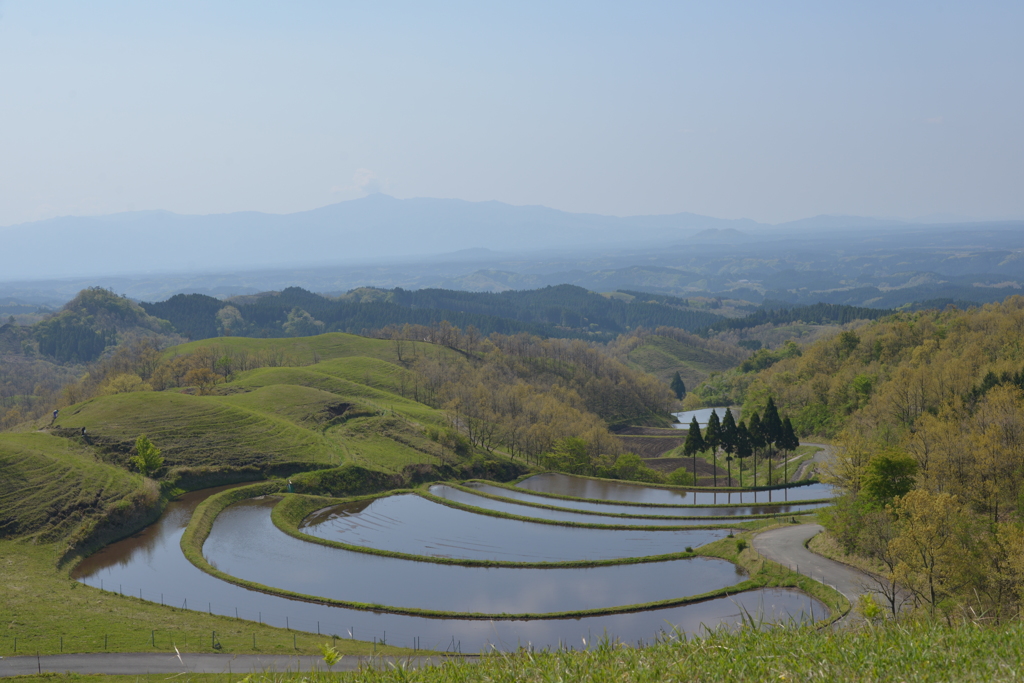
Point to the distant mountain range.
(377, 228)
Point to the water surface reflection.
(410, 524)
(619, 508)
(155, 568)
(581, 487)
(245, 543)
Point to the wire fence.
(305, 633)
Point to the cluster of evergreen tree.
(68, 340)
(762, 437)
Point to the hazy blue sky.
(771, 110)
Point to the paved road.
(786, 545)
(139, 663)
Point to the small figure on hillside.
(83, 431)
(55, 411)
(290, 488)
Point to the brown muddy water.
(637, 510)
(151, 564)
(245, 543)
(407, 523)
(581, 487)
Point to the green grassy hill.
(306, 350)
(343, 399)
(51, 486)
(197, 430)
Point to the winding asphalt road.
(140, 663)
(787, 546)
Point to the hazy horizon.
(929, 219)
(770, 113)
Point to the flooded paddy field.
(742, 504)
(603, 489)
(561, 515)
(407, 523)
(245, 543)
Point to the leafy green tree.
(570, 455)
(148, 459)
(224, 366)
(631, 467)
(694, 444)
(888, 474)
(681, 477)
(677, 386)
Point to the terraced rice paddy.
(244, 543)
(724, 510)
(411, 524)
(617, 491)
(461, 497)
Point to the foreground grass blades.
(910, 652)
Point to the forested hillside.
(927, 414)
(563, 311)
(665, 351)
(43, 360)
(38, 361)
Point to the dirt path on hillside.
(806, 469)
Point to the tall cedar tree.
(694, 444)
(771, 423)
(756, 440)
(728, 440)
(712, 440)
(677, 386)
(744, 447)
